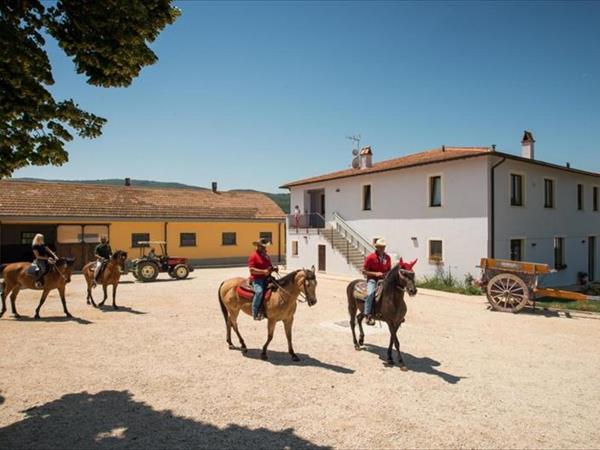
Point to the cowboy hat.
(263, 242)
(380, 243)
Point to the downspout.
(492, 249)
(166, 243)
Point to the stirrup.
(39, 284)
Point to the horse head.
(309, 285)
(120, 257)
(64, 266)
(407, 276)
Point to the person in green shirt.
(103, 253)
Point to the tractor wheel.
(172, 273)
(181, 271)
(135, 274)
(147, 271)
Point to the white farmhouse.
(449, 207)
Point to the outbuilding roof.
(79, 200)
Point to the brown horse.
(110, 275)
(280, 307)
(390, 308)
(17, 278)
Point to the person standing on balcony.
(297, 215)
(376, 266)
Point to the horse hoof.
(356, 347)
(403, 368)
(68, 315)
(115, 307)
(263, 356)
(245, 350)
(295, 358)
(361, 341)
(36, 317)
(231, 347)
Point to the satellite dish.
(355, 163)
(355, 152)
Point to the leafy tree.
(108, 42)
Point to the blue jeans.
(259, 286)
(371, 288)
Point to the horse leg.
(105, 295)
(352, 312)
(397, 344)
(270, 331)
(13, 299)
(61, 291)
(90, 298)
(288, 334)
(233, 321)
(361, 337)
(42, 300)
(115, 296)
(393, 340)
(3, 294)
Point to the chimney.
(214, 187)
(365, 157)
(527, 145)
(128, 181)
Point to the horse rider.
(152, 254)
(103, 253)
(261, 267)
(43, 257)
(376, 266)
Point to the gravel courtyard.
(157, 374)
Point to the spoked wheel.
(507, 292)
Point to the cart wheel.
(507, 292)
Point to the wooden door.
(322, 252)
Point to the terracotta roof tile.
(416, 159)
(49, 199)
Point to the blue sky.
(255, 94)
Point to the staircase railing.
(351, 235)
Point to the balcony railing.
(298, 222)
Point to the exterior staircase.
(349, 243)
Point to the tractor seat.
(246, 291)
(360, 290)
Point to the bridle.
(402, 273)
(55, 267)
(303, 295)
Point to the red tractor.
(149, 265)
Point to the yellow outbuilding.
(207, 226)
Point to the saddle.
(33, 270)
(246, 291)
(360, 290)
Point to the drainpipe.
(165, 233)
(492, 249)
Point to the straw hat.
(380, 243)
(262, 242)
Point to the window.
(187, 239)
(559, 253)
(580, 197)
(266, 235)
(27, 237)
(294, 248)
(136, 238)
(548, 193)
(516, 189)
(229, 239)
(435, 191)
(435, 251)
(366, 197)
(595, 198)
(516, 249)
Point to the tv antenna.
(356, 139)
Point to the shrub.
(445, 281)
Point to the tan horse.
(280, 307)
(109, 276)
(17, 278)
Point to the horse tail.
(222, 305)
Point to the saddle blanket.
(360, 290)
(246, 291)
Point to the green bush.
(445, 281)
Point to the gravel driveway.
(157, 374)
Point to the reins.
(304, 296)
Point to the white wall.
(336, 264)
(539, 225)
(400, 211)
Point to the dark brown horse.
(391, 307)
(109, 276)
(280, 307)
(16, 277)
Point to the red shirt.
(260, 261)
(373, 263)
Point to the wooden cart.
(512, 285)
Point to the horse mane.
(287, 279)
(390, 282)
(116, 255)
